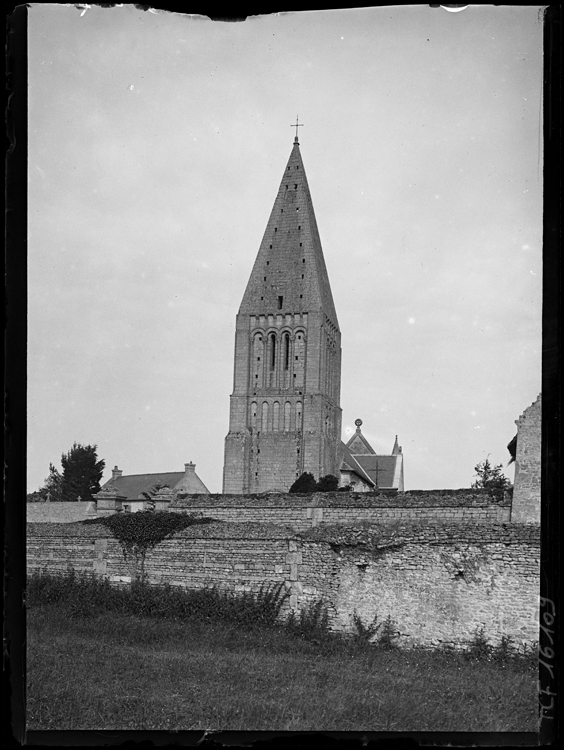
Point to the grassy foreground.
(120, 671)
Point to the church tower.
(285, 416)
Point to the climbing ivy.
(139, 532)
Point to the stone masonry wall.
(304, 511)
(527, 492)
(438, 586)
(438, 583)
(59, 512)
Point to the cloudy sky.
(157, 143)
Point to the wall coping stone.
(459, 498)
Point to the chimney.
(189, 468)
(116, 472)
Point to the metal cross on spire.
(297, 125)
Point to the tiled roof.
(133, 485)
(349, 461)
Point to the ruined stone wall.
(527, 491)
(438, 583)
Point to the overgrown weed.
(84, 596)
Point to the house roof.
(132, 486)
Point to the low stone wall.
(438, 583)
(60, 512)
(301, 512)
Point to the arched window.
(286, 341)
(258, 361)
(276, 416)
(264, 416)
(254, 414)
(299, 415)
(299, 360)
(287, 410)
(272, 344)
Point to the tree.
(52, 490)
(81, 473)
(490, 477)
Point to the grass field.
(119, 671)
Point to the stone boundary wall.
(304, 511)
(60, 512)
(438, 583)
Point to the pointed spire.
(396, 449)
(289, 274)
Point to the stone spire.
(285, 416)
(289, 273)
(396, 449)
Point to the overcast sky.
(157, 143)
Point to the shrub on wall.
(306, 484)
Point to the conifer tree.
(81, 473)
(52, 490)
(490, 477)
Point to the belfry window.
(286, 350)
(280, 302)
(272, 339)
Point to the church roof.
(358, 444)
(289, 273)
(132, 486)
(380, 469)
(350, 463)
